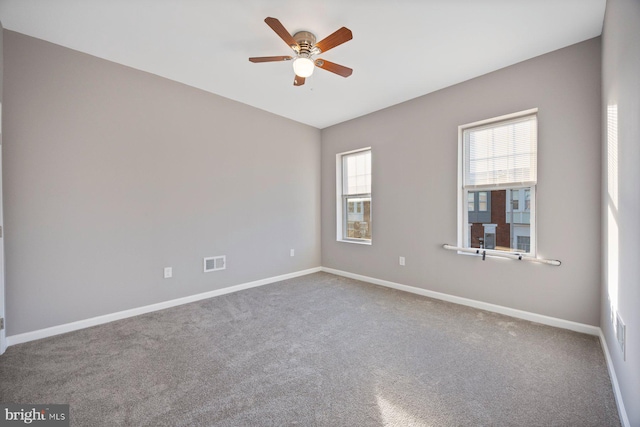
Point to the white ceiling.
(400, 49)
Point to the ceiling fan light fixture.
(303, 67)
(305, 48)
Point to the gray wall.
(112, 174)
(414, 162)
(621, 199)
(1, 59)
(2, 305)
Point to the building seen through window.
(499, 220)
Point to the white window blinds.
(501, 153)
(357, 173)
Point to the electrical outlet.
(168, 272)
(292, 252)
(401, 260)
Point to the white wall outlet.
(292, 252)
(168, 272)
(401, 260)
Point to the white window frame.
(341, 208)
(464, 238)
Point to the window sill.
(501, 254)
(356, 242)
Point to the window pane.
(471, 202)
(515, 199)
(358, 221)
(524, 243)
(502, 228)
(501, 153)
(357, 173)
(527, 200)
(482, 201)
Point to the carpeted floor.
(319, 350)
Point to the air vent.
(215, 263)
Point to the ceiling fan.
(305, 48)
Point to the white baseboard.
(99, 320)
(624, 418)
(533, 317)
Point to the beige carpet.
(319, 350)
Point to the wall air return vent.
(215, 263)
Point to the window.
(479, 206)
(515, 202)
(524, 243)
(482, 201)
(471, 198)
(353, 189)
(498, 174)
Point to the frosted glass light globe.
(303, 67)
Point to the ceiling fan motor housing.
(306, 43)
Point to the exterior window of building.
(479, 206)
(524, 243)
(482, 201)
(498, 171)
(353, 188)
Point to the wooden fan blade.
(298, 81)
(338, 69)
(270, 58)
(282, 32)
(337, 38)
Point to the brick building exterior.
(498, 217)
